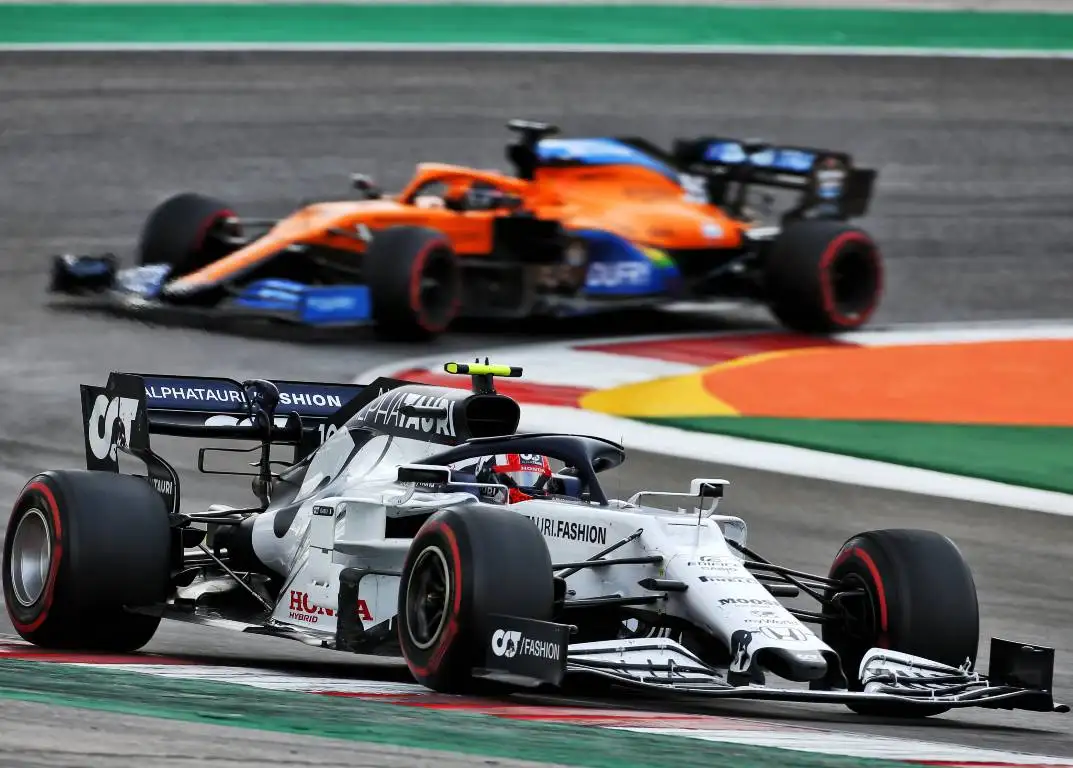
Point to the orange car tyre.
(823, 277)
(79, 547)
(414, 283)
(188, 232)
(462, 568)
(917, 596)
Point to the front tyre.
(919, 597)
(461, 568)
(823, 277)
(187, 232)
(80, 547)
(414, 283)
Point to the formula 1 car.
(583, 225)
(375, 539)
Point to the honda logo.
(785, 634)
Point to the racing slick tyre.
(80, 546)
(919, 597)
(823, 277)
(414, 283)
(188, 231)
(461, 568)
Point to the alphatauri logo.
(505, 643)
(100, 431)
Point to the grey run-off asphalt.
(972, 212)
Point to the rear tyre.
(187, 232)
(414, 283)
(461, 569)
(823, 277)
(919, 598)
(79, 547)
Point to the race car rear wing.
(132, 406)
(121, 416)
(830, 184)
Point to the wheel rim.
(31, 557)
(437, 289)
(428, 596)
(854, 280)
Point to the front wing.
(661, 665)
(101, 284)
(1020, 675)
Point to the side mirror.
(707, 487)
(262, 399)
(423, 473)
(366, 186)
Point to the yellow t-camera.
(482, 374)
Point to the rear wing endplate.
(828, 179)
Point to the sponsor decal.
(201, 394)
(728, 579)
(143, 281)
(328, 304)
(561, 529)
(320, 511)
(166, 487)
(830, 178)
(304, 610)
(510, 643)
(102, 420)
(740, 657)
(712, 231)
(230, 395)
(763, 621)
(717, 563)
(784, 634)
(747, 601)
(617, 274)
(695, 187)
(389, 412)
(223, 420)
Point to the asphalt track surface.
(972, 212)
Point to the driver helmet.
(525, 474)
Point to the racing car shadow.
(637, 322)
(804, 714)
(394, 671)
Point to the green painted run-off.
(311, 715)
(649, 25)
(1036, 457)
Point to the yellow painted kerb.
(676, 395)
(673, 396)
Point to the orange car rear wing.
(826, 178)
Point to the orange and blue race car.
(582, 225)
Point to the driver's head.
(525, 474)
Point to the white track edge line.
(768, 457)
(551, 48)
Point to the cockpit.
(517, 468)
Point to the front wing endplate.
(661, 664)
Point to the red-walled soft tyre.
(823, 277)
(80, 547)
(187, 231)
(461, 568)
(415, 283)
(919, 598)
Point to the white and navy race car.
(398, 528)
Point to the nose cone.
(800, 666)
